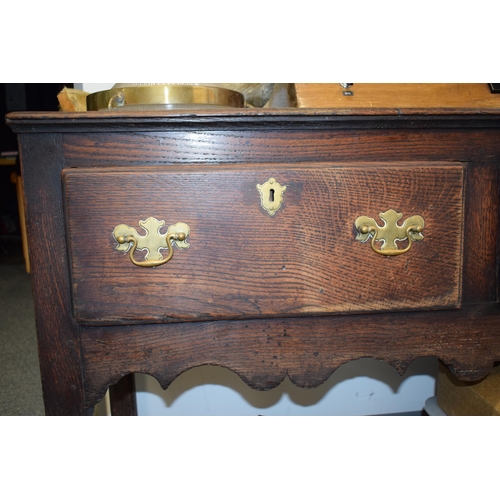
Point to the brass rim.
(166, 96)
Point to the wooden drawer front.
(242, 262)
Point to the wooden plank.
(266, 146)
(307, 350)
(397, 95)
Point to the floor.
(20, 385)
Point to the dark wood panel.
(244, 263)
(481, 232)
(223, 119)
(307, 350)
(58, 336)
(292, 146)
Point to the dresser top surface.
(254, 117)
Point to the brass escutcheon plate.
(271, 195)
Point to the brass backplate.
(151, 242)
(390, 232)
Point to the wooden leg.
(58, 334)
(122, 397)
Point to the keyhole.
(271, 196)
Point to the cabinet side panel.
(481, 232)
(58, 339)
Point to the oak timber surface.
(397, 95)
(244, 263)
(25, 121)
(79, 362)
(306, 349)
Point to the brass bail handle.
(129, 240)
(151, 263)
(390, 232)
(389, 251)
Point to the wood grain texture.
(58, 335)
(307, 350)
(397, 95)
(274, 146)
(480, 277)
(244, 263)
(38, 121)
(79, 362)
(457, 398)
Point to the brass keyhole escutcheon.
(390, 232)
(129, 240)
(271, 195)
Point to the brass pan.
(163, 97)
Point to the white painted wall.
(93, 87)
(362, 387)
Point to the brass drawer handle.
(153, 241)
(390, 232)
